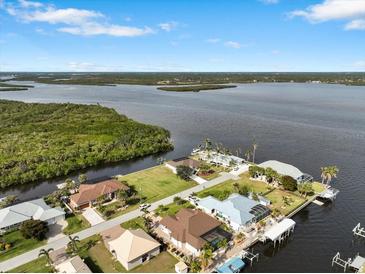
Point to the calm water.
(307, 125)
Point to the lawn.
(163, 263)
(318, 187)
(135, 223)
(75, 223)
(19, 245)
(276, 198)
(213, 175)
(102, 260)
(37, 266)
(222, 191)
(173, 208)
(156, 183)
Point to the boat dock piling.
(359, 231)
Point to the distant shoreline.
(195, 88)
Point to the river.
(307, 125)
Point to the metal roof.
(283, 168)
(274, 232)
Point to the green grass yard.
(163, 263)
(276, 198)
(173, 208)
(19, 245)
(37, 266)
(75, 223)
(156, 183)
(135, 223)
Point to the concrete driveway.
(241, 169)
(92, 216)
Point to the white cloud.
(168, 26)
(353, 10)
(78, 21)
(213, 40)
(270, 2)
(359, 64)
(233, 44)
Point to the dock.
(357, 264)
(330, 193)
(359, 231)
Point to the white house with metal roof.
(238, 211)
(288, 170)
(13, 216)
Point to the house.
(65, 264)
(237, 211)
(13, 216)
(194, 164)
(220, 159)
(89, 193)
(130, 247)
(181, 267)
(190, 230)
(287, 170)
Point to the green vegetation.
(19, 244)
(163, 263)
(136, 223)
(172, 209)
(75, 223)
(184, 172)
(156, 183)
(13, 87)
(34, 229)
(289, 183)
(285, 202)
(41, 141)
(186, 78)
(37, 266)
(195, 88)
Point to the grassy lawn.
(223, 190)
(37, 266)
(75, 223)
(102, 260)
(173, 208)
(215, 174)
(276, 198)
(163, 263)
(318, 187)
(19, 245)
(156, 183)
(135, 223)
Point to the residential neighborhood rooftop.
(283, 168)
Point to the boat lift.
(246, 254)
(330, 194)
(359, 231)
(340, 262)
(355, 264)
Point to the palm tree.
(206, 255)
(254, 147)
(45, 253)
(208, 144)
(328, 173)
(236, 186)
(248, 155)
(72, 244)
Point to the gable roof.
(73, 265)
(184, 162)
(35, 209)
(236, 207)
(188, 226)
(90, 192)
(132, 244)
(283, 168)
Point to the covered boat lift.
(280, 231)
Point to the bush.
(289, 183)
(184, 172)
(244, 190)
(34, 229)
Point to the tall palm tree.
(45, 253)
(248, 155)
(254, 147)
(206, 255)
(73, 243)
(328, 173)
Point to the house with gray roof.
(13, 216)
(287, 170)
(237, 211)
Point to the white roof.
(282, 168)
(358, 262)
(36, 209)
(132, 244)
(274, 232)
(73, 265)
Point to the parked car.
(144, 206)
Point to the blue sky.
(182, 35)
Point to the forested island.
(195, 88)
(13, 87)
(42, 141)
(186, 78)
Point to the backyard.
(75, 223)
(284, 201)
(19, 244)
(37, 266)
(172, 209)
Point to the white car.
(144, 206)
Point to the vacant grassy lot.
(173, 208)
(37, 266)
(223, 190)
(278, 201)
(75, 223)
(103, 260)
(135, 223)
(19, 245)
(156, 183)
(163, 263)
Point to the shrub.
(289, 183)
(34, 229)
(184, 172)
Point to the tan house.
(130, 247)
(65, 264)
(89, 193)
(194, 164)
(190, 229)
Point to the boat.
(234, 265)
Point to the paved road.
(62, 242)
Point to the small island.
(195, 88)
(13, 87)
(43, 141)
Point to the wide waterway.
(307, 125)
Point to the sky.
(182, 35)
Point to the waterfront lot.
(156, 183)
(279, 198)
(19, 245)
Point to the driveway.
(241, 169)
(198, 179)
(92, 216)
